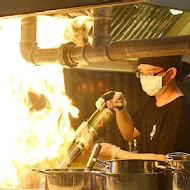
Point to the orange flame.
(34, 109)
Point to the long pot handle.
(93, 157)
(41, 171)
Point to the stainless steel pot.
(71, 178)
(179, 160)
(125, 166)
(133, 175)
(178, 171)
(134, 181)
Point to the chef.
(163, 123)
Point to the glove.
(107, 150)
(101, 102)
(113, 100)
(114, 151)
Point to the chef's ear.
(173, 72)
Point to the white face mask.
(153, 86)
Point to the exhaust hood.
(175, 4)
(20, 7)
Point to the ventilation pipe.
(102, 48)
(33, 54)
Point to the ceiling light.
(176, 12)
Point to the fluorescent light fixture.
(176, 12)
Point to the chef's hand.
(115, 103)
(107, 150)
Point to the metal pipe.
(89, 54)
(167, 46)
(33, 54)
(102, 26)
(102, 49)
(113, 51)
(97, 52)
(28, 37)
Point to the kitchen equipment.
(178, 171)
(132, 174)
(179, 160)
(93, 157)
(74, 178)
(87, 132)
(134, 181)
(71, 178)
(123, 166)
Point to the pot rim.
(148, 160)
(68, 170)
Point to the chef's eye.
(148, 75)
(140, 74)
(37, 101)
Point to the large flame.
(34, 109)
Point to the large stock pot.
(132, 174)
(178, 171)
(71, 179)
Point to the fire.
(34, 109)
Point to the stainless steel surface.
(71, 178)
(177, 180)
(179, 177)
(133, 175)
(179, 160)
(125, 166)
(138, 181)
(94, 155)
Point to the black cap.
(166, 62)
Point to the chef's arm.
(110, 150)
(125, 124)
(117, 102)
(122, 154)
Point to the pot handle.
(41, 171)
(170, 168)
(93, 157)
(104, 164)
(104, 174)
